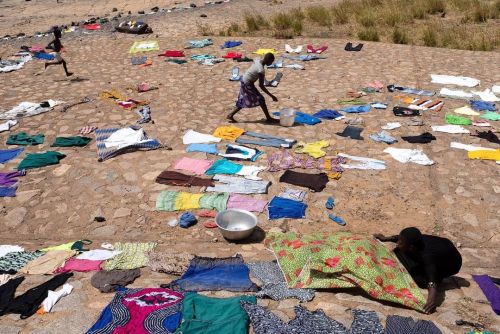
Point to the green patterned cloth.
(133, 255)
(344, 260)
(17, 260)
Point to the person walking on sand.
(57, 46)
(428, 259)
(249, 96)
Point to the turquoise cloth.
(223, 166)
(492, 116)
(36, 160)
(71, 141)
(22, 138)
(201, 314)
(202, 57)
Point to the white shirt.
(252, 74)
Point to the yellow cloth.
(144, 46)
(187, 201)
(466, 110)
(484, 155)
(228, 132)
(262, 52)
(313, 149)
(47, 263)
(66, 246)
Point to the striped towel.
(87, 129)
(105, 153)
(420, 104)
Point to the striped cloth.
(105, 153)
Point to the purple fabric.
(9, 179)
(490, 290)
(248, 203)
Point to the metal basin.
(236, 224)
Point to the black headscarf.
(413, 236)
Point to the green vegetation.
(461, 24)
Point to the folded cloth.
(383, 136)
(406, 112)
(424, 138)
(329, 114)
(356, 109)
(7, 125)
(172, 53)
(22, 138)
(457, 120)
(36, 160)
(406, 155)
(286, 208)
(482, 105)
(7, 155)
(352, 132)
(230, 44)
(206, 148)
(71, 141)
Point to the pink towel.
(248, 203)
(197, 166)
(80, 265)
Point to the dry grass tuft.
(462, 24)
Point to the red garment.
(232, 55)
(172, 53)
(80, 265)
(93, 26)
(311, 49)
(143, 303)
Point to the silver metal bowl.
(236, 224)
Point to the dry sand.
(455, 198)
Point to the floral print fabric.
(344, 260)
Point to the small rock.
(215, 240)
(15, 217)
(122, 212)
(61, 170)
(104, 231)
(24, 196)
(114, 9)
(203, 15)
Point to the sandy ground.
(456, 198)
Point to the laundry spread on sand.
(27, 109)
(114, 141)
(15, 62)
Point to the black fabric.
(7, 292)
(28, 303)
(315, 182)
(8, 272)
(405, 112)
(110, 280)
(438, 259)
(352, 132)
(489, 136)
(349, 47)
(424, 138)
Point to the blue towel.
(44, 56)
(280, 207)
(328, 114)
(8, 191)
(482, 105)
(302, 118)
(357, 109)
(207, 148)
(230, 44)
(7, 155)
(187, 219)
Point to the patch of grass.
(399, 37)
(434, 6)
(367, 19)
(204, 29)
(368, 34)
(319, 15)
(255, 22)
(289, 24)
(341, 13)
(429, 37)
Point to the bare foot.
(69, 74)
(272, 120)
(231, 119)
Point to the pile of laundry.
(177, 304)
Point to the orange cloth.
(228, 132)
